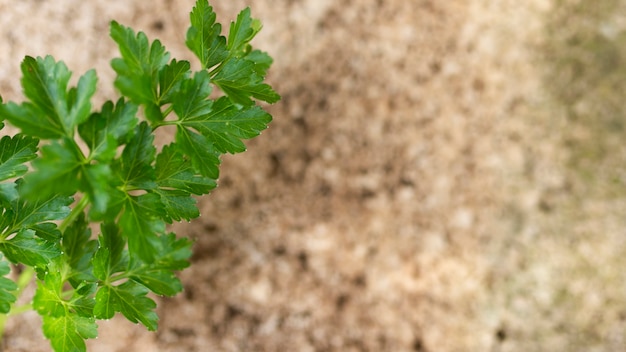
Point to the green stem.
(78, 209)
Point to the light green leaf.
(67, 333)
(7, 286)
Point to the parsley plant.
(73, 168)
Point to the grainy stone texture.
(378, 212)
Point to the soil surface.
(399, 200)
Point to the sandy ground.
(412, 193)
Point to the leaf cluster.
(74, 168)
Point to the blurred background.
(439, 176)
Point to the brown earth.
(399, 200)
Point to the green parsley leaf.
(225, 125)
(170, 78)
(53, 111)
(56, 171)
(204, 37)
(200, 151)
(113, 126)
(7, 286)
(111, 257)
(78, 250)
(32, 213)
(68, 332)
(14, 152)
(138, 68)
(129, 299)
(135, 166)
(174, 171)
(25, 248)
(8, 194)
(140, 224)
(241, 33)
(159, 276)
(239, 79)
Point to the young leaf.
(204, 36)
(7, 286)
(14, 152)
(47, 299)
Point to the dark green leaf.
(8, 194)
(241, 33)
(78, 249)
(53, 111)
(177, 205)
(14, 152)
(137, 70)
(173, 171)
(170, 79)
(135, 168)
(200, 151)
(204, 36)
(25, 248)
(111, 256)
(238, 78)
(28, 214)
(47, 231)
(106, 130)
(140, 224)
(225, 125)
(130, 299)
(56, 171)
(192, 98)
